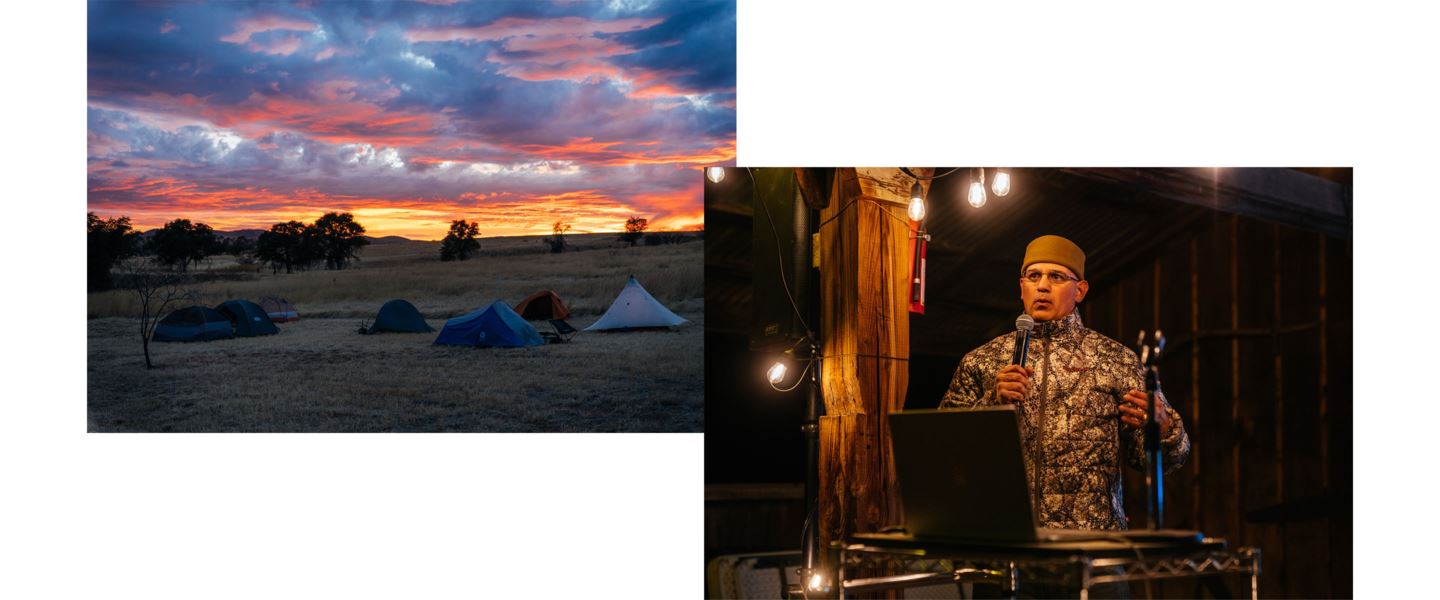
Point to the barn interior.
(1247, 271)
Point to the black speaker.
(782, 276)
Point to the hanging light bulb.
(817, 582)
(1001, 186)
(776, 374)
(977, 191)
(715, 174)
(917, 203)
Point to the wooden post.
(864, 267)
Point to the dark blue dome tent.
(399, 316)
(193, 324)
(496, 325)
(248, 318)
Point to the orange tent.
(542, 305)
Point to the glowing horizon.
(409, 115)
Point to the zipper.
(1039, 450)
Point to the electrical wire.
(837, 214)
(755, 194)
(907, 171)
(799, 381)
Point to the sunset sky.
(409, 114)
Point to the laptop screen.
(962, 475)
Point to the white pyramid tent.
(635, 308)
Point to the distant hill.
(255, 234)
(241, 233)
(238, 233)
(389, 239)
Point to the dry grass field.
(319, 375)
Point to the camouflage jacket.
(1070, 423)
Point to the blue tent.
(193, 324)
(249, 319)
(401, 317)
(495, 325)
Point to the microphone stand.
(1155, 470)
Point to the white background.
(820, 83)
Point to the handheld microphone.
(1023, 325)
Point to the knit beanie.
(1055, 249)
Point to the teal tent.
(193, 324)
(495, 325)
(399, 316)
(248, 318)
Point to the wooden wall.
(1258, 320)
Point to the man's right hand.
(1012, 383)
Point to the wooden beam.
(864, 262)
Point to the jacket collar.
(1068, 326)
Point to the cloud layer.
(409, 114)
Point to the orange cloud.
(334, 114)
(247, 28)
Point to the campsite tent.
(542, 305)
(495, 325)
(399, 316)
(193, 324)
(279, 309)
(635, 308)
(248, 318)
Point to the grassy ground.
(319, 375)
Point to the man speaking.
(1079, 397)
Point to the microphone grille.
(1024, 323)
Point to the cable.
(755, 194)
(800, 380)
(907, 171)
(837, 214)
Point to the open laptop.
(962, 476)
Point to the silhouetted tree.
(159, 290)
(338, 238)
(242, 248)
(557, 241)
(286, 246)
(180, 242)
(462, 241)
(634, 228)
(106, 242)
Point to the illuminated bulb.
(817, 582)
(917, 203)
(917, 209)
(977, 194)
(776, 374)
(715, 174)
(1001, 186)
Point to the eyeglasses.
(1055, 277)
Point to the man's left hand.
(1132, 411)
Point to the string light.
(917, 203)
(776, 374)
(977, 191)
(715, 174)
(817, 581)
(1001, 186)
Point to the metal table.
(904, 561)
